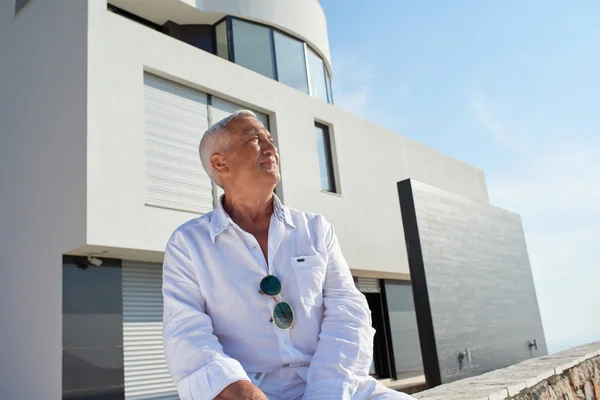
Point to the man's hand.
(241, 390)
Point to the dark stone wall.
(470, 260)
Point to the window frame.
(306, 54)
(328, 85)
(330, 158)
(227, 39)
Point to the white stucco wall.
(371, 159)
(42, 185)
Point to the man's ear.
(219, 163)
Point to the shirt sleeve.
(195, 358)
(345, 349)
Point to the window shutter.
(146, 373)
(176, 118)
(368, 285)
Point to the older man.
(259, 302)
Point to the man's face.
(252, 158)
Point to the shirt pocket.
(256, 378)
(310, 275)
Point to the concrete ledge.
(514, 380)
(404, 383)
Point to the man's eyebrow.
(252, 131)
(256, 132)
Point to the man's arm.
(345, 348)
(196, 361)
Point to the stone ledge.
(522, 378)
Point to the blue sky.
(511, 87)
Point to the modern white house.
(103, 105)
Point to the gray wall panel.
(479, 281)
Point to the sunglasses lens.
(283, 316)
(270, 285)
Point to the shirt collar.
(282, 212)
(220, 219)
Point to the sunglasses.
(283, 315)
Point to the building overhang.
(303, 19)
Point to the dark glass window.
(403, 327)
(199, 36)
(291, 65)
(325, 158)
(252, 47)
(381, 365)
(92, 329)
(316, 70)
(221, 39)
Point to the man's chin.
(275, 176)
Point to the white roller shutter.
(146, 373)
(176, 118)
(220, 109)
(368, 285)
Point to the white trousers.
(287, 384)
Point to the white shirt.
(217, 327)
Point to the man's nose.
(269, 149)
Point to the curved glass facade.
(291, 62)
(253, 47)
(274, 54)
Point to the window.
(381, 366)
(19, 4)
(329, 90)
(316, 69)
(396, 347)
(222, 42)
(252, 47)
(291, 65)
(325, 158)
(92, 329)
(258, 47)
(403, 328)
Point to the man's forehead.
(247, 125)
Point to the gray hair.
(215, 140)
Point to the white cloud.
(354, 90)
(489, 122)
(352, 82)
